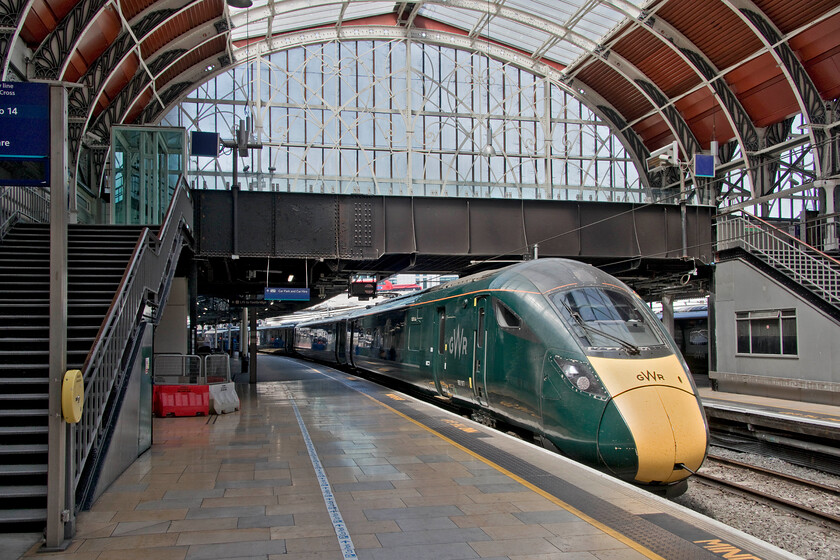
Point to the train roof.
(545, 275)
(550, 274)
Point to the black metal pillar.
(253, 347)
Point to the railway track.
(751, 493)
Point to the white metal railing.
(178, 369)
(217, 368)
(823, 232)
(810, 267)
(23, 204)
(190, 369)
(146, 279)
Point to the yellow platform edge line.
(571, 509)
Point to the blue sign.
(704, 166)
(286, 294)
(204, 144)
(24, 133)
(24, 120)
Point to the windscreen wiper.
(631, 349)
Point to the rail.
(823, 232)
(23, 204)
(146, 280)
(810, 267)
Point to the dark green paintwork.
(432, 340)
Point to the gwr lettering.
(650, 376)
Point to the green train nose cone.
(616, 446)
(654, 429)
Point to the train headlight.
(582, 378)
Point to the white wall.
(171, 333)
(740, 286)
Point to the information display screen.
(24, 133)
(704, 166)
(286, 294)
(204, 144)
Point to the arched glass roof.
(722, 77)
(558, 30)
(407, 118)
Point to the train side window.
(441, 329)
(480, 337)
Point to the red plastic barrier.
(181, 400)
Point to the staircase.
(97, 259)
(815, 271)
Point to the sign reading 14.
(9, 111)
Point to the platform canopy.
(701, 73)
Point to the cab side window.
(506, 318)
(510, 322)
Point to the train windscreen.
(606, 318)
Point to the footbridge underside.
(249, 240)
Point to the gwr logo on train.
(650, 376)
(458, 342)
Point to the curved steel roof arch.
(12, 14)
(54, 52)
(569, 40)
(800, 82)
(710, 76)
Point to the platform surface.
(318, 464)
(824, 415)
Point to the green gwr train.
(552, 346)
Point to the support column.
(252, 365)
(192, 294)
(668, 313)
(830, 234)
(60, 488)
(230, 337)
(243, 334)
(683, 216)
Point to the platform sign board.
(704, 166)
(364, 290)
(204, 144)
(24, 133)
(286, 294)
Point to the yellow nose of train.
(653, 425)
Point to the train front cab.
(653, 408)
(652, 425)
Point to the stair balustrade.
(28, 204)
(146, 281)
(808, 266)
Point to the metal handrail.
(810, 267)
(824, 229)
(146, 279)
(24, 203)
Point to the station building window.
(767, 332)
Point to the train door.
(341, 343)
(479, 366)
(352, 336)
(439, 356)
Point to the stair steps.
(97, 260)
